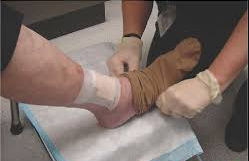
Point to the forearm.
(39, 73)
(233, 57)
(135, 16)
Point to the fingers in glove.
(165, 111)
(133, 66)
(176, 115)
(161, 105)
(189, 114)
(182, 110)
(116, 67)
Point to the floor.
(209, 126)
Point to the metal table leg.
(16, 126)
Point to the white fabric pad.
(99, 89)
(76, 135)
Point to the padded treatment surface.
(72, 134)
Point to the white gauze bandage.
(99, 89)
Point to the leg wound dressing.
(99, 89)
(165, 71)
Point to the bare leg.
(123, 111)
(39, 73)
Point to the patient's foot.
(165, 71)
(120, 114)
(141, 88)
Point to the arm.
(177, 100)
(135, 16)
(129, 51)
(233, 57)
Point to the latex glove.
(191, 96)
(129, 52)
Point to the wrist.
(212, 85)
(131, 42)
(220, 79)
(132, 35)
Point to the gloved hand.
(129, 52)
(191, 96)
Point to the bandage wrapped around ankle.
(99, 89)
(166, 70)
(211, 82)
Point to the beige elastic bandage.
(165, 71)
(211, 82)
(99, 89)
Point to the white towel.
(74, 135)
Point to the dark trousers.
(211, 23)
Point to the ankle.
(126, 94)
